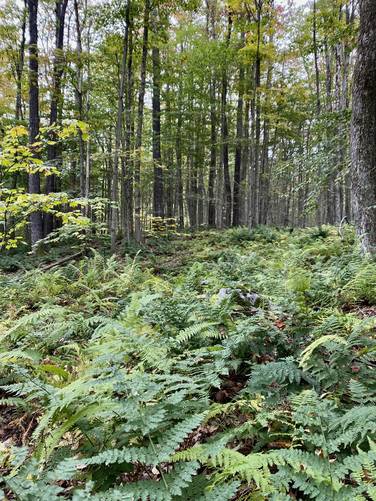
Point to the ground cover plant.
(224, 365)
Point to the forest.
(188, 250)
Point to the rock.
(244, 297)
(251, 298)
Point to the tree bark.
(236, 208)
(179, 181)
(20, 66)
(140, 117)
(79, 97)
(129, 131)
(114, 223)
(36, 225)
(169, 157)
(158, 209)
(254, 180)
(225, 139)
(54, 150)
(316, 57)
(211, 33)
(363, 129)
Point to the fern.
(202, 329)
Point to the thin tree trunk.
(254, 180)
(114, 223)
(129, 130)
(211, 12)
(20, 66)
(140, 117)
(179, 181)
(245, 162)
(236, 209)
(264, 168)
(79, 97)
(169, 158)
(158, 209)
(316, 57)
(54, 150)
(225, 139)
(88, 158)
(192, 184)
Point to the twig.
(61, 261)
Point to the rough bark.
(36, 225)
(54, 150)
(363, 129)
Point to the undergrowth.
(229, 365)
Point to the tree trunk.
(363, 129)
(129, 131)
(264, 161)
(256, 129)
(210, 28)
(79, 97)
(158, 209)
(225, 140)
(236, 209)
(316, 57)
(20, 66)
(36, 226)
(54, 150)
(114, 223)
(169, 157)
(140, 117)
(179, 180)
(245, 161)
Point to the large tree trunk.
(36, 226)
(363, 129)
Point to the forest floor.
(212, 366)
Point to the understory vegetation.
(212, 366)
